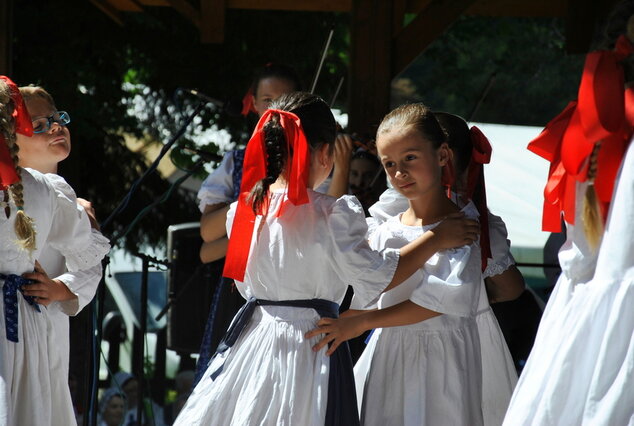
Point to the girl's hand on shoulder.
(336, 332)
(456, 231)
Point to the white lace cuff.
(86, 257)
(499, 266)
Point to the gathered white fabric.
(426, 373)
(581, 368)
(271, 375)
(26, 365)
(218, 186)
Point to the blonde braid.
(592, 218)
(24, 227)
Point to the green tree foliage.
(531, 77)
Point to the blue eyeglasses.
(43, 124)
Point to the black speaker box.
(190, 285)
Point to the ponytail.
(592, 217)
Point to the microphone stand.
(90, 418)
(140, 355)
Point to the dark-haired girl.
(293, 252)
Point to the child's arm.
(455, 231)
(339, 330)
(506, 286)
(213, 222)
(213, 250)
(340, 174)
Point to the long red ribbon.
(254, 169)
(480, 155)
(23, 125)
(603, 113)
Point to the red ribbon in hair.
(23, 125)
(604, 112)
(254, 169)
(480, 155)
(247, 103)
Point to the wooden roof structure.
(381, 44)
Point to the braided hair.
(24, 227)
(319, 127)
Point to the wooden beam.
(126, 5)
(297, 5)
(523, 8)
(370, 59)
(109, 10)
(212, 21)
(6, 37)
(425, 28)
(187, 10)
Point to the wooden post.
(6, 35)
(370, 64)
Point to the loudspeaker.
(190, 286)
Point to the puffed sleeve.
(82, 284)
(390, 204)
(449, 282)
(218, 187)
(71, 233)
(367, 270)
(502, 258)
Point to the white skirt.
(581, 369)
(498, 370)
(427, 373)
(271, 376)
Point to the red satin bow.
(23, 125)
(604, 112)
(476, 191)
(254, 169)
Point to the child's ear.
(444, 154)
(324, 155)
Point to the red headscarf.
(254, 169)
(23, 125)
(604, 112)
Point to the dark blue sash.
(12, 284)
(342, 405)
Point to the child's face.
(268, 90)
(411, 163)
(362, 172)
(114, 411)
(43, 151)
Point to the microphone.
(232, 106)
(205, 155)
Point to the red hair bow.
(247, 103)
(254, 169)
(604, 112)
(476, 191)
(23, 125)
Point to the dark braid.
(276, 147)
(319, 127)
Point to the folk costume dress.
(271, 376)
(293, 263)
(83, 284)
(427, 373)
(581, 368)
(29, 383)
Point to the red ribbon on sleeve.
(604, 112)
(254, 169)
(480, 155)
(23, 125)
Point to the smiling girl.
(422, 364)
